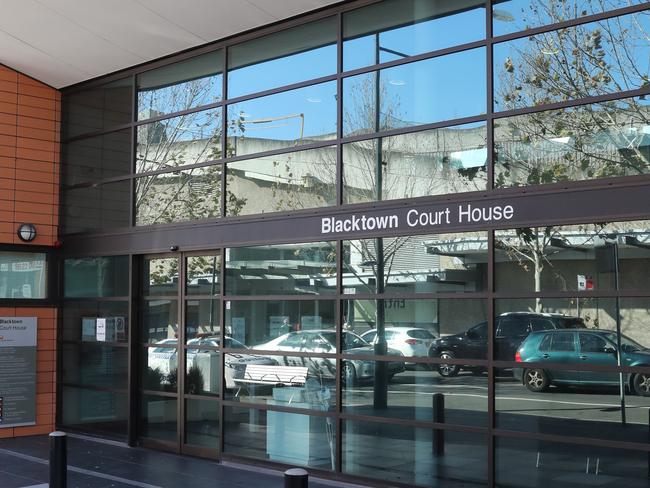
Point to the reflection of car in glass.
(511, 330)
(324, 341)
(164, 358)
(584, 347)
(410, 341)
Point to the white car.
(324, 341)
(410, 341)
(165, 361)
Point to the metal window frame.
(491, 432)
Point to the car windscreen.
(352, 341)
(420, 334)
(627, 344)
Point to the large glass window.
(282, 182)
(515, 15)
(418, 164)
(179, 141)
(283, 120)
(541, 463)
(23, 275)
(290, 56)
(462, 463)
(91, 208)
(289, 269)
(440, 328)
(581, 143)
(96, 158)
(283, 437)
(281, 325)
(445, 263)
(589, 257)
(189, 194)
(433, 90)
(102, 412)
(396, 29)
(415, 391)
(98, 108)
(96, 277)
(577, 62)
(180, 86)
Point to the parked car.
(580, 346)
(511, 330)
(410, 341)
(324, 341)
(165, 360)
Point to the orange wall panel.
(29, 180)
(29, 156)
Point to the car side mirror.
(609, 350)
(471, 334)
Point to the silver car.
(324, 341)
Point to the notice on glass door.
(18, 371)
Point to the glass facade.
(23, 275)
(482, 353)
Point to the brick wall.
(29, 157)
(29, 192)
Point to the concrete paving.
(98, 464)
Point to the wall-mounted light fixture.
(26, 232)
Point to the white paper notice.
(101, 330)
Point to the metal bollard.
(296, 478)
(58, 460)
(439, 418)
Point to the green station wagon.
(580, 346)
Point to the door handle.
(546, 356)
(583, 357)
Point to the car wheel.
(448, 370)
(349, 374)
(641, 384)
(536, 380)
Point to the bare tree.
(585, 142)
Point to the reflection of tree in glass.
(591, 141)
(180, 141)
(415, 164)
(533, 249)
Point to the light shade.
(26, 232)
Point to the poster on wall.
(18, 366)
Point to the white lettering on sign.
(355, 223)
(463, 214)
(467, 213)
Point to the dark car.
(580, 346)
(511, 330)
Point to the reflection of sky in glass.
(182, 96)
(592, 59)
(287, 116)
(187, 139)
(409, 40)
(282, 71)
(470, 158)
(515, 15)
(432, 90)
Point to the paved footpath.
(99, 464)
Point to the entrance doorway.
(180, 360)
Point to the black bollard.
(439, 418)
(58, 460)
(296, 478)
